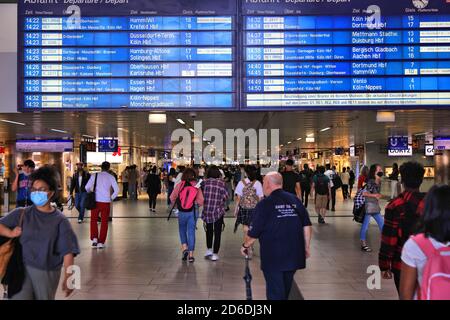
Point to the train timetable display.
(346, 54)
(131, 54)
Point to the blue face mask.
(39, 198)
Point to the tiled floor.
(142, 261)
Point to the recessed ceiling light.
(14, 122)
(281, 145)
(122, 129)
(181, 121)
(191, 130)
(157, 118)
(57, 130)
(310, 135)
(371, 141)
(325, 129)
(299, 139)
(88, 136)
(289, 142)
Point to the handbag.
(90, 201)
(8, 247)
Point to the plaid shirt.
(392, 239)
(215, 194)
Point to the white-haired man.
(282, 225)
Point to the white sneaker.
(214, 257)
(100, 246)
(94, 243)
(208, 253)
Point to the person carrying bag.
(12, 271)
(90, 202)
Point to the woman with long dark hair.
(393, 177)
(215, 194)
(372, 194)
(186, 211)
(153, 184)
(433, 237)
(171, 176)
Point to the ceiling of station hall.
(133, 128)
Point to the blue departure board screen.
(233, 54)
(127, 55)
(346, 54)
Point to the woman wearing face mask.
(373, 209)
(47, 239)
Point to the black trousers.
(152, 200)
(278, 284)
(22, 203)
(125, 190)
(214, 231)
(345, 191)
(333, 199)
(305, 195)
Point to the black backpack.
(321, 186)
(304, 178)
(337, 182)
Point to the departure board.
(346, 54)
(233, 54)
(127, 55)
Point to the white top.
(330, 174)
(345, 177)
(124, 176)
(258, 187)
(80, 179)
(222, 173)
(105, 182)
(201, 172)
(177, 179)
(414, 257)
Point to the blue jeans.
(79, 204)
(365, 225)
(278, 284)
(186, 227)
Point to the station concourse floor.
(142, 260)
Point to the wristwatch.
(243, 246)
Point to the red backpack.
(436, 274)
(186, 197)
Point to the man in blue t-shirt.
(282, 225)
(22, 185)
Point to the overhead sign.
(108, 145)
(442, 143)
(429, 150)
(401, 153)
(352, 151)
(44, 145)
(398, 143)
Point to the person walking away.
(393, 177)
(47, 239)
(105, 183)
(248, 193)
(228, 183)
(125, 182)
(133, 182)
(401, 217)
(78, 184)
(330, 174)
(186, 195)
(291, 180)
(215, 196)
(305, 183)
(345, 177)
(351, 181)
(425, 272)
(153, 184)
(201, 172)
(372, 195)
(163, 178)
(363, 177)
(322, 190)
(22, 183)
(282, 225)
(170, 183)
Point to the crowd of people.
(270, 208)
